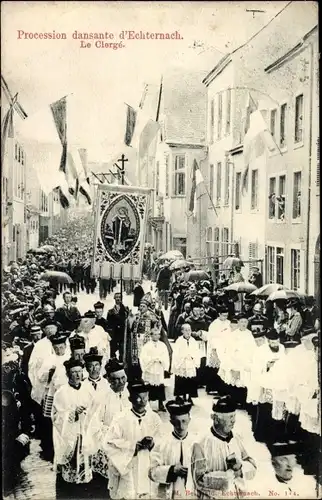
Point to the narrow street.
(37, 481)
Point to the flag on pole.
(196, 180)
(59, 111)
(83, 156)
(257, 138)
(7, 131)
(130, 124)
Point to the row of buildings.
(263, 202)
(29, 215)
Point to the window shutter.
(318, 162)
(252, 251)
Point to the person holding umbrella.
(294, 326)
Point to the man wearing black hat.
(172, 459)
(117, 399)
(95, 383)
(128, 445)
(220, 463)
(99, 311)
(72, 427)
(294, 326)
(68, 315)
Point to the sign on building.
(120, 225)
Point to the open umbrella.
(180, 264)
(147, 245)
(266, 290)
(40, 251)
(241, 287)
(172, 255)
(231, 262)
(56, 275)
(283, 295)
(197, 275)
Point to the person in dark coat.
(116, 320)
(99, 311)
(256, 277)
(138, 294)
(163, 284)
(68, 315)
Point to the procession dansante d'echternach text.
(123, 35)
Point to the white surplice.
(42, 354)
(260, 378)
(217, 335)
(166, 454)
(185, 357)
(211, 477)
(74, 436)
(99, 338)
(128, 474)
(154, 361)
(237, 357)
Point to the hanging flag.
(257, 138)
(251, 107)
(196, 180)
(59, 111)
(62, 197)
(7, 131)
(130, 124)
(145, 91)
(83, 156)
(148, 134)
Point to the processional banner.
(120, 228)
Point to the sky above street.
(102, 80)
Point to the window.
(298, 135)
(273, 122)
(272, 198)
(216, 241)
(228, 110)
(179, 175)
(296, 195)
(157, 178)
(211, 181)
(295, 269)
(271, 257)
(167, 190)
(209, 242)
(283, 125)
(238, 191)
(219, 122)
(254, 190)
(212, 120)
(279, 266)
(281, 199)
(225, 242)
(218, 193)
(227, 180)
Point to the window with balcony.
(179, 187)
(228, 110)
(281, 199)
(298, 132)
(219, 120)
(272, 198)
(273, 122)
(283, 125)
(254, 190)
(297, 195)
(218, 186)
(227, 181)
(238, 191)
(295, 269)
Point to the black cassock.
(121, 229)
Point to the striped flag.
(83, 189)
(59, 111)
(196, 180)
(130, 124)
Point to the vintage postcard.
(160, 175)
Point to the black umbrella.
(60, 277)
(197, 275)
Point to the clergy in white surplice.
(94, 336)
(128, 445)
(185, 361)
(238, 354)
(75, 425)
(217, 336)
(77, 351)
(171, 457)
(154, 361)
(220, 464)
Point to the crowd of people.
(93, 387)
